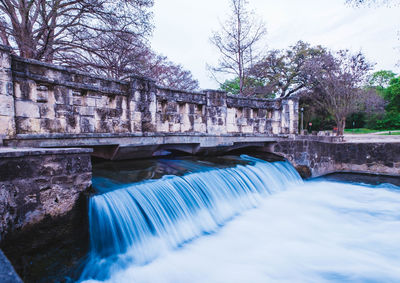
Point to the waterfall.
(136, 222)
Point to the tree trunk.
(341, 124)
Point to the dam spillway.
(153, 215)
(254, 222)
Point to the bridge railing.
(37, 98)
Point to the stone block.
(27, 109)
(112, 102)
(89, 101)
(136, 126)
(199, 128)
(7, 126)
(77, 100)
(29, 90)
(186, 124)
(103, 126)
(137, 96)
(6, 87)
(5, 60)
(174, 127)
(102, 102)
(247, 129)
(163, 127)
(86, 111)
(73, 124)
(124, 103)
(53, 125)
(27, 125)
(62, 95)
(6, 105)
(87, 125)
(132, 106)
(47, 111)
(42, 94)
(136, 116)
(231, 128)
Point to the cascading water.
(135, 223)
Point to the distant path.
(385, 132)
(372, 137)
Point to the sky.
(183, 29)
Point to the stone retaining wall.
(37, 98)
(325, 157)
(36, 184)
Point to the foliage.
(356, 120)
(281, 71)
(381, 79)
(392, 95)
(391, 121)
(231, 86)
(236, 42)
(251, 86)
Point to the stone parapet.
(38, 98)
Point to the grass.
(396, 133)
(369, 131)
(361, 131)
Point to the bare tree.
(46, 29)
(169, 74)
(104, 37)
(118, 56)
(335, 81)
(236, 41)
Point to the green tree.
(281, 70)
(251, 86)
(381, 79)
(231, 86)
(392, 95)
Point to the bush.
(371, 122)
(359, 120)
(391, 121)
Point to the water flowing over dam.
(246, 220)
(142, 219)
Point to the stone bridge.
(44, 105)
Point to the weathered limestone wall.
(180, 111)
(40, 99)
(324, 157)
(7, 114)
(51, 99)
(40, 183)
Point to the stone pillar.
(142, 104)
(216, 111)
(293, 103)
(7, 108)
(277, 117)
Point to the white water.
(312, 232)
